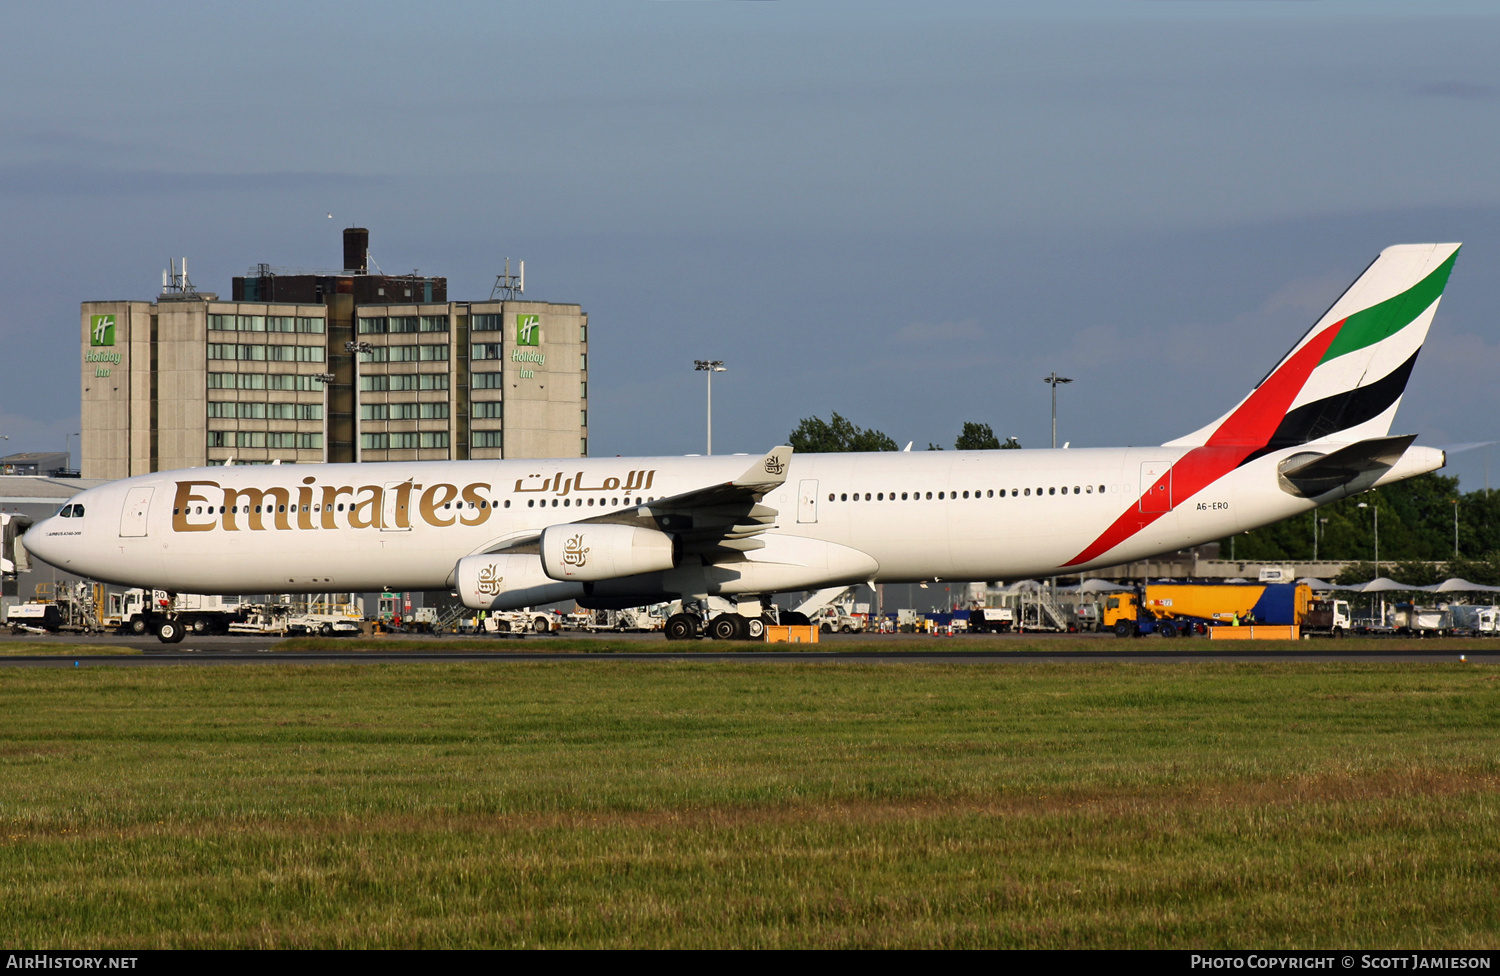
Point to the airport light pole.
(1052, 379)
(1455, 528)
(68, 447)
(355, 348)
(710, 366)
(1376, 512)
(325, 379)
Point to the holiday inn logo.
(528, 330)
(102, 330)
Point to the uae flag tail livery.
(725, 534)
(1338, 388)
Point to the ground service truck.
(1176, 609)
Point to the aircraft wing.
(719, 521)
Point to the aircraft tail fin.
(1343, 380)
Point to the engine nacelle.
(508, 582)
(592, 551)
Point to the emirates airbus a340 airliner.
(729, 532)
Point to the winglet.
(768, 471)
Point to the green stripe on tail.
(1380, 322)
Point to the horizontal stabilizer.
(1310, 475)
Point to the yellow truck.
(1178, 609)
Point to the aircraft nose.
(43, 542)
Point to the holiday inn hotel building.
(329, 366)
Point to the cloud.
(1456, 89)
(65, 179)
(926, 333)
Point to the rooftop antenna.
(509, 287)
(175, 283)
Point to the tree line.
(813, 435)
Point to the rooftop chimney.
(356, 246)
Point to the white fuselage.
(971, 515)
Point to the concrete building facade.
(188, 380)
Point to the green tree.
(1416, 523)
(816, 436)
(977, 437)
(1011, 444)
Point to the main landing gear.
(729, 625)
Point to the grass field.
(27, 648)
(700, 804)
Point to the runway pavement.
(149, 652)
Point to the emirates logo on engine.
(575, 553)
(490, 581)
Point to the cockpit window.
(65, 512)
(78, 511)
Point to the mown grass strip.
(699, 804)
(25, 648)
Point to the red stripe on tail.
(1243, 433)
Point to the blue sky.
(906, 213)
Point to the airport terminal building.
(328, 366)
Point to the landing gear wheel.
(682, 626)
(727, 626)
(138, 626)
(170, 632)
(755, 629)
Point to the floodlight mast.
(710, 366)
(355, 350)
(1052, 379)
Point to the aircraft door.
(395, 515)
(1156, 486)
(133, 515)
(807, 501)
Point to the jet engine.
(587, 551)
(508, 582)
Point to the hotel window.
(487, 409)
